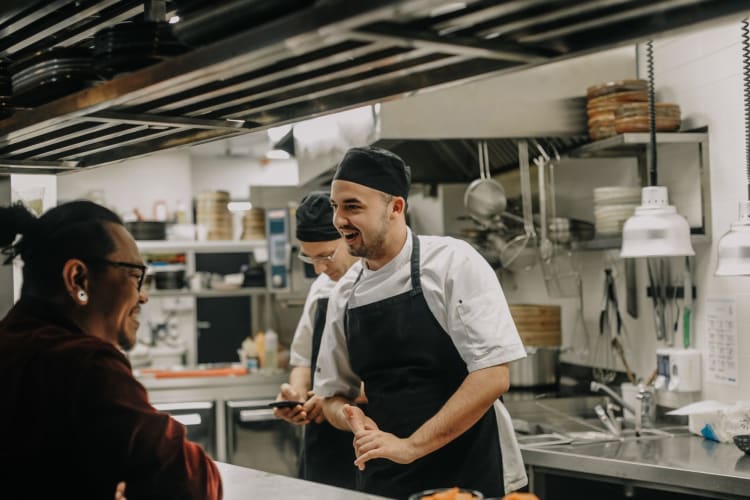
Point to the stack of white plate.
(613, 205)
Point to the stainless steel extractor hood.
(436, 132)
(327, 56)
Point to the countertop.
(685, 461)
(241, 483)
(258, 378)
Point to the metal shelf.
(632, 144)
(329, 56)
(176, 246)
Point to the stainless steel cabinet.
(199, 418)
(257, 439)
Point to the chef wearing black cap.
(426, 326)
(327, 454)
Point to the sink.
(551, 423)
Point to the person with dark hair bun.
(73, 413)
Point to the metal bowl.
(743, 442)
(418, 496)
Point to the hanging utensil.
(513, 249)
(604, 365)
(631, 288)
(653, 278)
(546, 249)
(581, 343)
(687, 307)
(485, 198)
(561, 275)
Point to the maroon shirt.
(74, 421)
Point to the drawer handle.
(259, 415)
(188, 419)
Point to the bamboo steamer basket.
(254, 224)
(211, 211)
(538, 325)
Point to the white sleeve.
(334, 375)
(301, 348)
(478, 316)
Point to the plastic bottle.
(271, 348)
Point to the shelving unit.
(190, 249)
(691, 145)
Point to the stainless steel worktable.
(684, 463)
(243, 484)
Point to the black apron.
(410, 368)
(327, 453)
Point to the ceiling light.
(655, 229)
(239, 206)
(734, 246)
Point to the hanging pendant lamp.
(734, 246)
(655, 229)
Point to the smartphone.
(284, 404)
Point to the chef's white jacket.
(465, 297)
(461, 290)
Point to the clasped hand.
(370, 442)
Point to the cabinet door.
(223, 323)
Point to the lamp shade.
(734, 246)
(656, 229)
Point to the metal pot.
(538, 368)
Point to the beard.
(374, 247)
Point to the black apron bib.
(410, 368)
(327, 453)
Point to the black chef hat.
(375, 168)
(315, 218)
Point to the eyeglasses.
(318, 260)
(126, 265)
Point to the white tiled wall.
(702, 72)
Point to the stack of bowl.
(603, 101)
(254, 224)
(211, 211)
(613, 205)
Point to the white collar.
(404, 256)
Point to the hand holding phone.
(284, 404)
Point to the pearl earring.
(82, 296)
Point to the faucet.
(596, 387)
(643, 403)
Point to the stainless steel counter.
(685, 463)
(169, 390)
(241, 483)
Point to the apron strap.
(416, 284)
